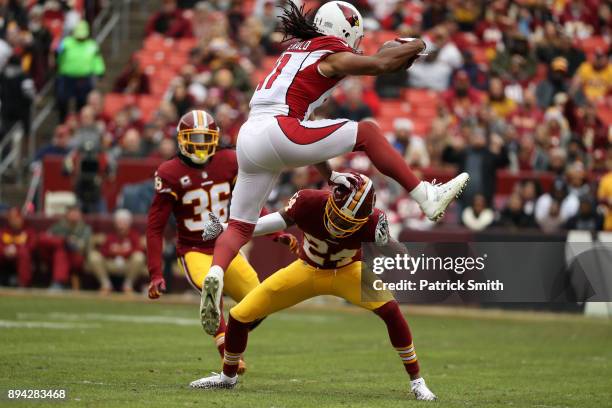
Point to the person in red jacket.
(16, 246)
(169, 22)
(120, 254)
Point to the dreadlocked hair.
(297, 24)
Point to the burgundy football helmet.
(347, 210)
(198, 136)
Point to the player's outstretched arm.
(156, 222)
(384, 61)
(273, 222)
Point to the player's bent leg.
(240, 279)
(401, 339)
(347, 284)
(248, 198)
(283, 289)
(432, 198)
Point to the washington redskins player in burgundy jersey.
(334, 225)
(281, 134)
(194, 184)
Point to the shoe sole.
(209, 313)
(437, 217)
(210, 386)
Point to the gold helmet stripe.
(201, 119)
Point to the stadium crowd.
(523, 86)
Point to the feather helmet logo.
(352, 19)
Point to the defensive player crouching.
(334, 226)
(197, 182)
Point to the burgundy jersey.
(196, 192)
(319, 248)
(295, 87)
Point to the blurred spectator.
(557, 161)
(568, 204)
(151, 136)
(579, 17)
(529, 190)
(516, 49)
(527, 116)
(181, 99)
(478, 216)
(435, 12)
(17, 244)
(79, 62)
(89, 163)
(551, 221)
(59, 145)
(499, 102)
(120, 254)
(169, 21)
(514, 216)
(132, 80)
(16, 95)
(604, 192)
(556, 82)
(586, 218)
(555, 44)
(353, 107)
(590, 128)
(434, 70)
(595, 77)
(130, 146)
(409, 145)
(76, 240)
(95, 100)
(39, 47)
(166, 150)
(477, 76)
(480, 160)
(577, 183)
(462, 99)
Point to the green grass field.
(108, 353)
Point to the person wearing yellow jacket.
(79, 62)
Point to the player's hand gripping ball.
(403, 40)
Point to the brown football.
(390, 44)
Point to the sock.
(419, 194)
(237, 334)
(220, 337)
(400, 336)
(229, 243)
(385, 158)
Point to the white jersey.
(295, 87)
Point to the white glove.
(212, 227)
(343, 179)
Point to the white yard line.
(117, 318)
(11, 324)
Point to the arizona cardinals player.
(192, 185)
(278, 133)
(334, 226)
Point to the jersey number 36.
(214, 200)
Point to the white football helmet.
(340, 19)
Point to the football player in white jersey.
(278, 134)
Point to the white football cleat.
(439, 196)
(420, 390)
(210, 301)
(215, 381)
